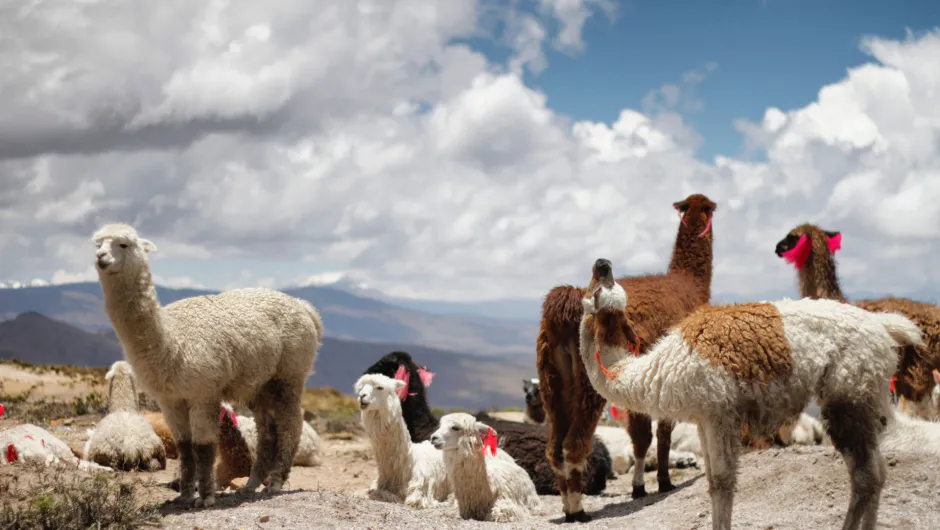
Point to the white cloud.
(359, 136)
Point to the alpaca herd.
(688, 383)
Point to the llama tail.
(902, 329)
(317, 320)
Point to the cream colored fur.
(407, 472)
(803, 430)
(308, 449)
(487, 488)
(841, 353)
(124, 439)
(34, 444)
(925, 409)
(620, 447)
(905, 434)
(253, 346)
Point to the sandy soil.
(16, 380)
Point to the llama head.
(603, 292)
(696, 210)
(461, 431)
(122, 368)
(805, 240)
(378, 392)
(119, 248)
(227, 414)
(533, 397)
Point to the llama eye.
(455, 428)
(123, 245)
(379, 388)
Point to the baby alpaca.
(412, 473)
(33, 444)
(487, 488)
(755, 364)
(253, 346)
(534, 408)
(124, 439)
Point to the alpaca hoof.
(183, 500)
(666, 485)
(578, 517)
(639, 491)
(174, 484)
(274, 487)
(245, 490)
(208, 502)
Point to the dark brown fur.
(656, 303)
(235, 458)
(818, 279)
(747, 340)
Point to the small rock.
(701, 515)
(264, 518)
(68, 421)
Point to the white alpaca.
(803, 430)
(33, 444)
(407, 472)
(308, 449)
(757, 364)
(253, 346)
(124, 439)
(927, 408)
(487, 488)
(620, 447)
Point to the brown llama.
(812, 250)
(573, 406)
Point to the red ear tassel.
(615, 413)
(891, 384)
(1, 410)
(489, 442)
(11, 453)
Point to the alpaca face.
(697, 209)
(533, 397)
(377, 392)
(460, 431)
(118, 247)
(792, 239)
(603, 292)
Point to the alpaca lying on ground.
(308, 449)
(756, 363)
(162, 430)
(534, 409)
(804, 430)
(486, 488)
(927, 408)
(253, 346)
(524, 443)
(124, 439)
(33, 444)
(408, 472)
(572, 405)
(620, 446)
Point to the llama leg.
(288, 423)
(663, 445)
(177, 419)
(264, 453)
(723, 443)
(204, 419)
(556, 412)
(578, 445)
(854, 434)
(640, 428)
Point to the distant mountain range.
(346, 315)
(461, 380)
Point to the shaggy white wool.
(30, 443)
(253, 346)
(407, 472)
(308, 449)
(911, 435)
(124, 439)
(620, 446)
(486, 488)
(840, 353)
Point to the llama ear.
(147, 245)
(483, 429)
(399, 384)
(833, 241)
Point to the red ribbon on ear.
(11, 453)
(1, 410)
(615, 413)
(489, 442)
(891, 384)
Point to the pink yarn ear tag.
(234, 419)
(489, 442)
(834, 242)
(425, 376)
(800, 253)
(403, 375)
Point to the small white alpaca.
(755, 364)
(124, 439)
(252, 346)
(803, 430)
(927, 408)
(487, 488)
(620, 447)
(33, 444)
(308, 449)
(408, 472)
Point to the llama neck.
(818, 277)
(693, 254)
(536, 414)
(392, 445)
(132, 305)
(466, 468)
(122, 396)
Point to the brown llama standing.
(573, 406)
(812, 250)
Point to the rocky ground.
(786, 488)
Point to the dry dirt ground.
(790, 488)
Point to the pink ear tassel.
(834, 242)
(799, 254)
(707, 227)
(402, 375)
(425, 376)
(234, 419)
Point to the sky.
(469, 149)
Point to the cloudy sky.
(469, 149)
